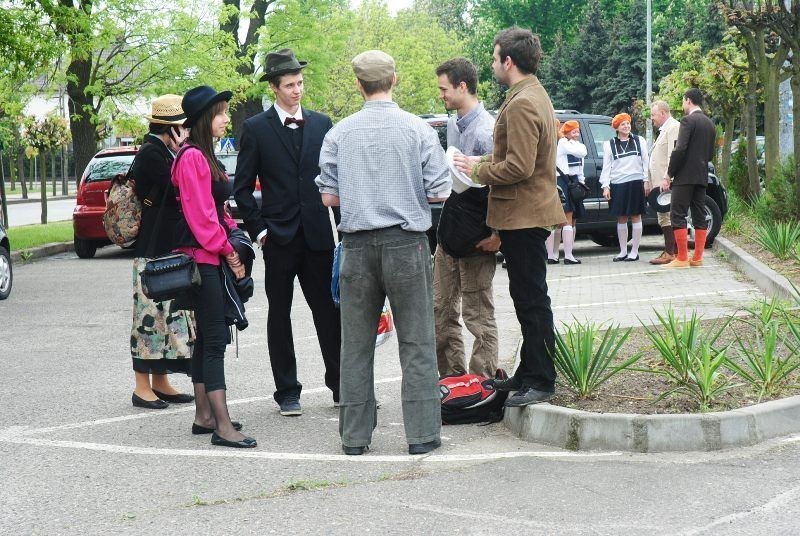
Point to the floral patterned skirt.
(162, 337)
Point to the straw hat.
(166, 110)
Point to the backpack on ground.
(123, 216)
(470, 398)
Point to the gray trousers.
(396, 264)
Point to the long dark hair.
(200, 136)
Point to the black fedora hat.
(658, 201)
(281, 62)
(198, 100)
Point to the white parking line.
(656, 298)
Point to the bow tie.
(289, 120)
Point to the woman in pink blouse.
(203, 188)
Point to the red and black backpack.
(470, 398)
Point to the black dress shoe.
(621, 258)
(140, 402)
(179, 398)
(509, 384)
(631, 259)
(355, 451)
(554, 261)
(424, 448)
(570, 261)
(246, 443)
(199, 430)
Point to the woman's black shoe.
(570, 261)
(179, 398)
(554, 261)
(631, 259)
(246, 443)
(140, 402)
(199, 430)
(621, 258)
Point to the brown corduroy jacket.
(522, 173)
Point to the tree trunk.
(32, 177)
(729, 124)
(754, 189)
(772, 117)
(795, 85)
(243, 111)
(84, 133)
(21, 168)
(53, 170)
(12, 171)
(64, 182)
(43, 187)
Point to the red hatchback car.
(87, 218)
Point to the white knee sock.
(637, 237)
(549, 244)
(568, 239)
(622, 234)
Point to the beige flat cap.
(373, 65)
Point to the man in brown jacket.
(523, 203)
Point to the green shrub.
(780, 202)
(584, 359)
(778, 237)
(738, 182)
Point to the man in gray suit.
(687, 176)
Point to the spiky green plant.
(778, 237)
(761, 365)
(584, 359)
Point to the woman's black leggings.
(208, 356)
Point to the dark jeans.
(313, 269)
(375, 265)
(684, 198)
(208, 357)
(526, 260)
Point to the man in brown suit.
(687, 176)
(523, 202)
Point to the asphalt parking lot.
(77, 458)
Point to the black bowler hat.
(281, 62)
(658, 201)
(198, 100)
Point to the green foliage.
(680, 344)
(778, 237)
(762, 367)
(706, 382)
(779, 197)
(47, 134)
(25, 237)
(738, 214)
(738, 181)
(585, 360)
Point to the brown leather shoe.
(664, 258)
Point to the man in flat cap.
(383, 166)
(281, 147)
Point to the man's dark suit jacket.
(289, 195)
(688, 163)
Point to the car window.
(229, 161)
(102, 169)
(601, 132)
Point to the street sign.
(226, 145)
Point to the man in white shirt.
(668, 128)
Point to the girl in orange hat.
(625, 183)
(570, 153)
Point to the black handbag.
(170, 276)
(578, 191)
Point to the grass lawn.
(29, 236)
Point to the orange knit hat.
(619, 119)
(569, 126)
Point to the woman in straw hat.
(203, 189)
(162, 336)
(625, 183)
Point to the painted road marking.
(656, 298)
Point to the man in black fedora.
(281, 147)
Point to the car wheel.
(713, 219)
(85, 249)
(6, 273)
(605, 240)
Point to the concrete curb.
(582, 430)
(19, 201)
(43, 251)
(762, 275)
